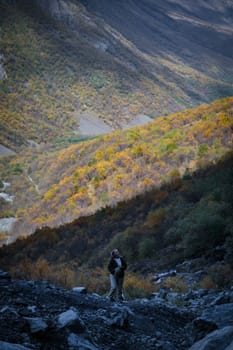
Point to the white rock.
(6, 224)
(6, 197)
(67, 318)
(81, 290)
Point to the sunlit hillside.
(52, 187)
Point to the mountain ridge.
(80, 63)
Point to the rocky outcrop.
(38, 315)
(221, 339)
(60, 10)
(219, 315)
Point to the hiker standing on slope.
(117, 266)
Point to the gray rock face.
(60, 10)
(67, 318)
(219, 315)
(51, 7)
(221, 339)
(9, 346)
(36, 324)
(4, 150)
(230, 346)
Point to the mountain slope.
(183, 40)
(53, 187)
(190, 218)
(112, 64)
(163, 26)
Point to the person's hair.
(113, 251)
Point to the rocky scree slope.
(38, 315)
(176, 36)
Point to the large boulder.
(221, 339)
(70, 318)
(218, 316)
(36, 324)
(9, 346)
(60, 10)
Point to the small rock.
(121, 318)
(32, 308)
(77, 342)
(36, 324)
(70, 318)
(4, 275)
(81, 290)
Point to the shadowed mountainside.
(177, 33)
(107, 63)
(148, 23)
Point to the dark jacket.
(113, 265)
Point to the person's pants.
(116, 283)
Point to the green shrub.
(126, 242)
(206, 232)
(7, 214)
(4, 88)
(16, 169)
(202, 150)
(155, 217)
(146, 248)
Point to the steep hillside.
(52, 187)
(70, 68)
(189, 218)
(166, 26)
